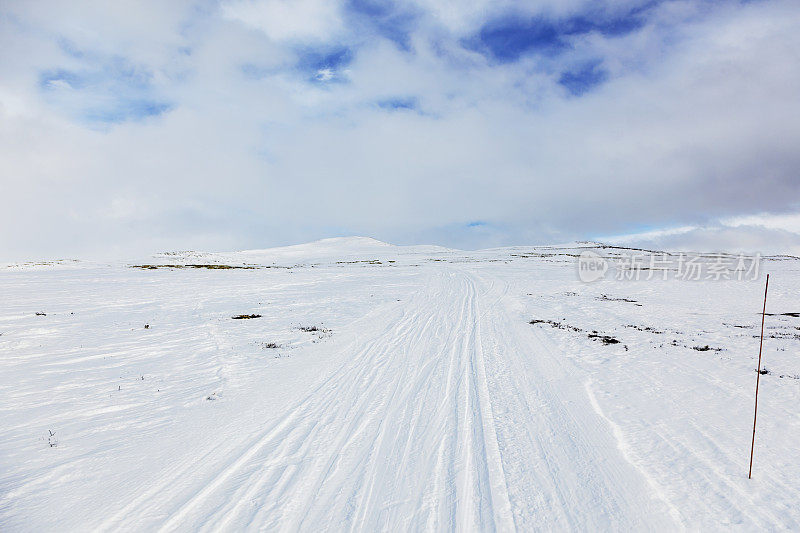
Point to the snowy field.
(389, 388)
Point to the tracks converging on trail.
(444, 415)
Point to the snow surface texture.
(392, 388)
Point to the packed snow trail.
(422, 399)
(415, 432)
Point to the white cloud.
(324, 74)
(288, 20)
(736, 239)
(692, 126)
(787, 222)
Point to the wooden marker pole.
(758, 378)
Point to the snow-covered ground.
(393, 388)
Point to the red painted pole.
(758, 378)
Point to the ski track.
(447, 411)
(420, 381)
(354, 452)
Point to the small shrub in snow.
(605, 339)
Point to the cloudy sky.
(135, 127)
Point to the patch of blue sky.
(55, 79)
(323, 64)
(409, 103)
(70, 49)
(509, 38)
(584, 78)
(390, 20)
(104, 91)
(126, 110)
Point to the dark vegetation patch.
(222, 267)
(673, 342)
(244, 317)
(645, 328)
(737, 326)
(363, 262)
(594, 335)
(43, 263)
(553, 323)
(544, 254)
(607, 298)
(766, 371)
(605, 339)
(313, 329)
(706, 348)
(318, 332)
(206, 266)
(612, 247)
(780, 335)
(270, 345)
